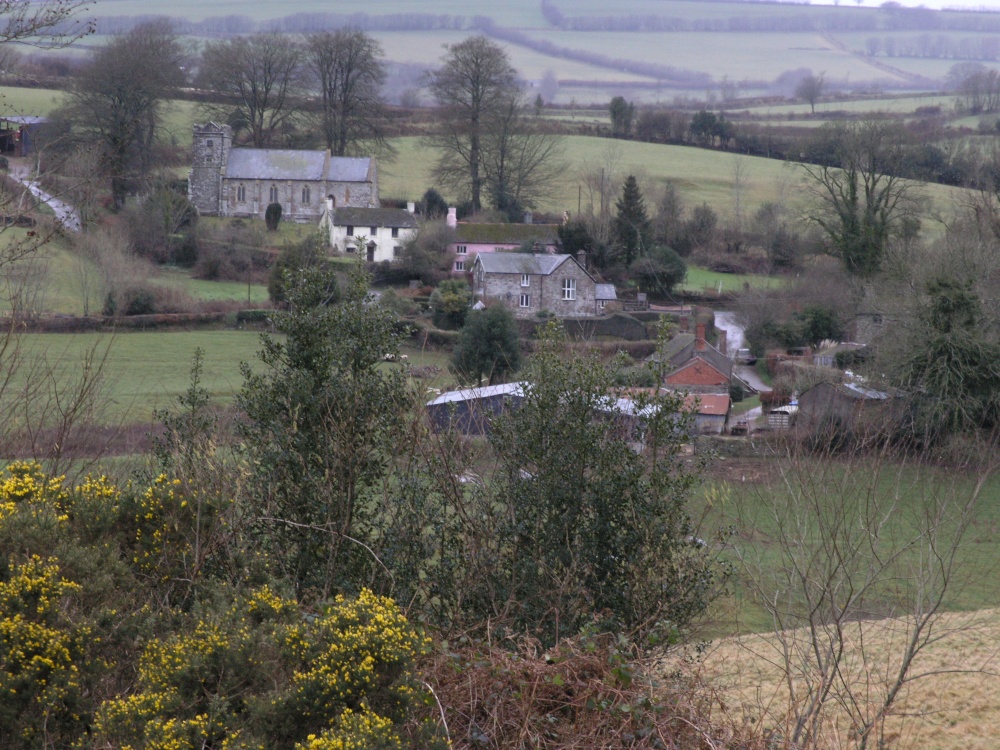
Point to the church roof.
(292, 164)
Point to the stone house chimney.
(452, 217)
(411, 207)
(581, 258)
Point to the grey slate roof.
(293, 164)
(374, 217)
(606, 292)
(519, 263)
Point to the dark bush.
(272, 216)
(133, 301)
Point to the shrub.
(130, 301)
(272, 216)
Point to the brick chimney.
(682, 323)
(452, 217)
(699, 337)
(723, 343)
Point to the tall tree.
(472, 87)
(119, 97)
(521, 162)
(622, 113)
(863, 199)
(258, 78)
(321, 417)
(632, 228)
(347, 67)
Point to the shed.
(471, 410)
(710, 410)
(18, 133)
(848, 404)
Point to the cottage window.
(350, 231)
(525, 280)
(601, 303)
(525, 300)
(241, 193)
(374, 231)
(350, 248)
(569, 289)
(210, 143)
(459, 265)
(273, 194)
(305, 195)
(397, 251)
(395, 232)
(461, 250)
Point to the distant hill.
(647, 50)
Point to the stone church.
(227, 181)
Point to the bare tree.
(862, 556)
(472, 87)
(119, 98)
(259, 78)
(347, 66)
(47, 23)
(810, 88)
(521, 161)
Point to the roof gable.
(522, 263)
(698, 371)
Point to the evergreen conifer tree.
(632, 228)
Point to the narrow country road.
(65, 213)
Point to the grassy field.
(956, 707)
(700, 279)
(702, 176)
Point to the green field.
(701, 279)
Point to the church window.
(305, 195)
(241, 193)
(273, 195)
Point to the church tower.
(210, 150)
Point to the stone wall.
(210, 149)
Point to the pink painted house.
(475, 239)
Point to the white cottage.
(379, 233)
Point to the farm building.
(470, 411)
(710, 411)
(385, 230)
(227, 181)
(18, 133)
(848, 404)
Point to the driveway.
(65, 213)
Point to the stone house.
(531, 283)
(385, 230)
(227, 181)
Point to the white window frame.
(461, 249)
(569, 289)
(525, 300)
(350, 231)
(525, 279)
(459, 265)
(395, 232)
(374, 231)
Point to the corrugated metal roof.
(606, 292)
(535, 264)
(472, 394)
(25, 119)
(374, 217)
(293, 164)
